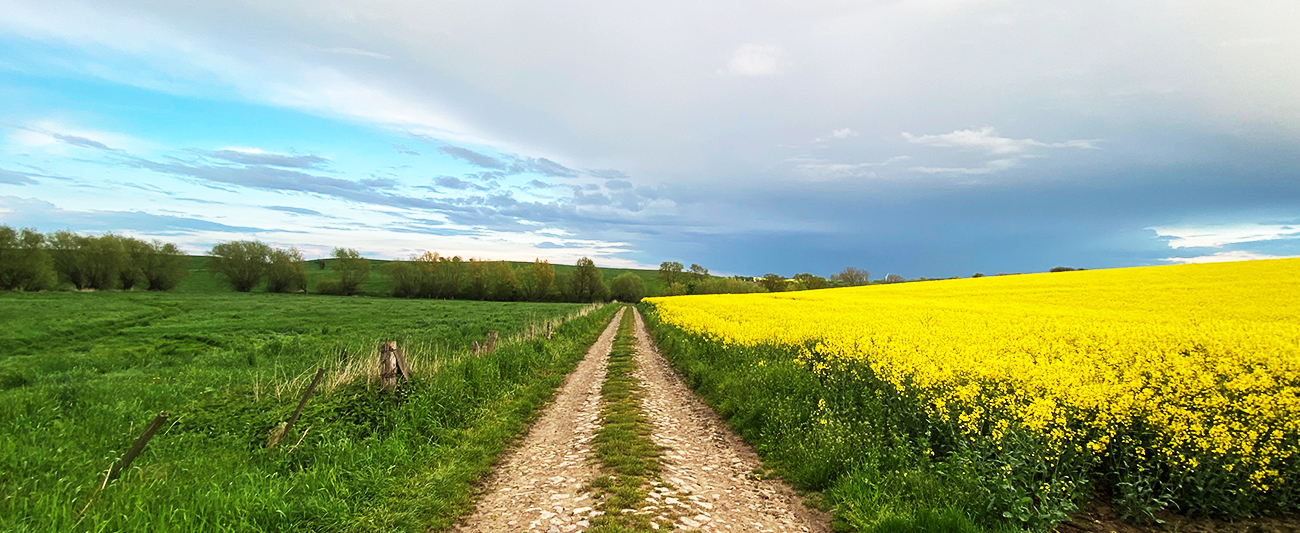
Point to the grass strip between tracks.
(630, 460)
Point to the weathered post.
(288, 426)
(491, 342)
(548, 330)
(138, 447)
(126, 460)
(474, 348)
(388, 363)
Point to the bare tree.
(852, 277)
(894, 278)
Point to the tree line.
(33, 261)
(245, 264)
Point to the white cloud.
(844, 133)
(756, 60)
(822, 170)
(1223, 257)
(987, 139)
(987, 168)
(1216, 236)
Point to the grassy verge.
(81, 373)
(834, 439)
(630, 460)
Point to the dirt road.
(706, 468)
(538, 486)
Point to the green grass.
(629, 459)
(834, 440)
(82, 373)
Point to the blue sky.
(921, 137)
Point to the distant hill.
(201, 280)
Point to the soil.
(1099, 517)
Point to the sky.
(931, 138)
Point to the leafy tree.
(773, 283)
(808, 281)
(852, 277)
(698, 272)
(628, 287)
(86, 261)
(978, 275)
(538, 280)
(352, 271)
(670, 272)
(134, 254)
(24, 262)
(1064, 269)
(586, 284)
(894, 278)
(164, 266)
(504, 286)
(286, 271)
(403, 277)
(242, 263)
(478, 279)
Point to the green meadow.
(82, 373)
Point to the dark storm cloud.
(268, 159)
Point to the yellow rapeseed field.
(1196, 367)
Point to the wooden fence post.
(288, 426)
(548, 330)
(126, 460)
(491, 342)
(387, 364)
(392, 364)
(138, 447)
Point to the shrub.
(352, 270)
(727, 286)
(627, 288)
(131, 269)
(242, 263)
(86, 261)
(164, 266)
(286, 271)
(24, 262)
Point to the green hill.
(201, 280)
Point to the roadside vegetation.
(82, 373)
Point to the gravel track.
(707, 465)
(538, 485)
(706, 468)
